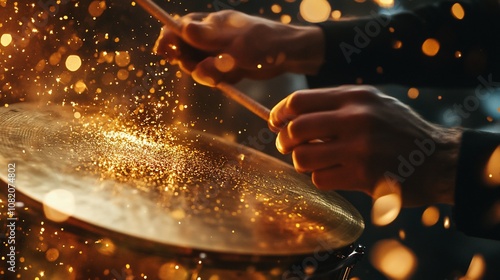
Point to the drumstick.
(228, 90)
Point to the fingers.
(193, 44)
(337, 178)
(316, 100)
(167, 44)
(202, 36)
(309, 127)
(208, 73)
(316, 156)
(205, 31)
(301, 102)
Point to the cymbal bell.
(167, 184)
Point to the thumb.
(202, 35)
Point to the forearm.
(380, 49)
(304, 50)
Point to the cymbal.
(168, 184)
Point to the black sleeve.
(477, 197)
(382, 49)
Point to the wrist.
(305, 50)
(445, 165)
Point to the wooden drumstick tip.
(157, 12)
(244, 100)
(228, 90)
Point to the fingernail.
(196, 29)
(279, 146)
(203, 79)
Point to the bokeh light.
(458, 11)
(413, 93)
(386, 209)
(59, 205)
(172, 270)
(393, 259)
(6, 39)
(476, 269)
(96, 8)
(492, 170)
(430, 216)
(122, 59)
(386, 4)
(430, 47)
(315, 10)
(387, 203)
(73, 63)
(224, 63)
(52, 254)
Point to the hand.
(366, 137)
(228, 46)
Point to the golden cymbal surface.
(170, 185)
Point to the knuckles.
(321, 181)
(302, 159)
(296, 100)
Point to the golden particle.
(40, 65)
(172, 271)
(75, 42)
(108, 79)
(122, 58)
(55, 58)
(224, 63)
(122, 74)
(96, 8)
(52, 254)
(65, 77)
(80, 87)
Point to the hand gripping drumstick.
(228, 90)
